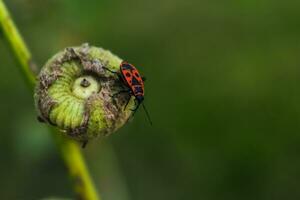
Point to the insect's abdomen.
(137, 90)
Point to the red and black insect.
(134, 82)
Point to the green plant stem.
(17, 44)
(69, 150)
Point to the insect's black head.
(139, 98)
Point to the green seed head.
(85, 86)
(75, 93)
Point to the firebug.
(134, 82)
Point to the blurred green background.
(222, 91)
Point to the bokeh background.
(222, 91)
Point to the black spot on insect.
(136, 74)
(127, 74)
(135, 81)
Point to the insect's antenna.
(148, 116)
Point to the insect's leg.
(41, 119)
(113, 72)
(84, 143)
(133, 110)
(137, 104)
(110, 70)
(127, 103)
(120, 92)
